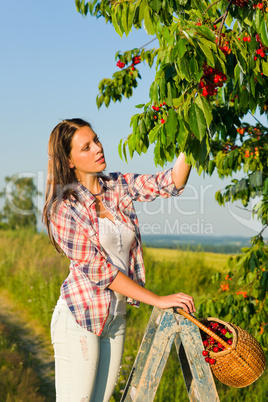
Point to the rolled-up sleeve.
(80, 250)
(148, 187)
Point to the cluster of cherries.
(135, 60)
(211, 345)
(224, 45)
(211, 79)
(253, 131)
(120, 64)
(260, 6)
(250, 153)
(262, 49)
(241, 3)
(157, 109)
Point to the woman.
(90, 217)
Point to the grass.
(32, 272)
(213, 260)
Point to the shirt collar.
(106, 182)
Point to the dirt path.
(32, 340)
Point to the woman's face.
(86, 154)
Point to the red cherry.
(199, 23)
(205, 353)
(248, 38)
(205, 343)
(207, 359)
(205, 92)
(262, 54)
(220, 345)
(245, 39)
(230, 341)
(215, 349)
(162, 121)
(156, 109)
(212, 361)
(224, 330)
(260, 6)
(255, 58)
(133, 68)
(164, 103)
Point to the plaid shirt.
(74, 225)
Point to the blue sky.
(52, 60)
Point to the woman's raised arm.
(180, 172)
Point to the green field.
(213, 260)
(32, 272)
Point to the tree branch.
(223, 20)
(213, 4)
(147, 43)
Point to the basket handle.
(201, 326)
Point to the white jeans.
(86, 365)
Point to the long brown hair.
(60, 176)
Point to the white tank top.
(116, 238)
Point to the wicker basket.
(241, 363)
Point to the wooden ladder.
(164, 328)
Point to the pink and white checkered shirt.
(74, 225)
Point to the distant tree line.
(19, 210)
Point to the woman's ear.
(71, 165)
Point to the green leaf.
(148, 23)
(206, 32)
(143, 127)
(182, 134)
(207, 52)
(140, 105)
(236, 73)
(120, 149)
(115, 21)
(125, 17)
(169, 93)
(171, 125)
(156, 5)
(181, 47)
(204, 104)
(153, 134)
(197, 121)
(257, 19)
(264, 67)
(184, 69)
(124, 151)
(178, 101)
(264, 32)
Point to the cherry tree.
(211, 69)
